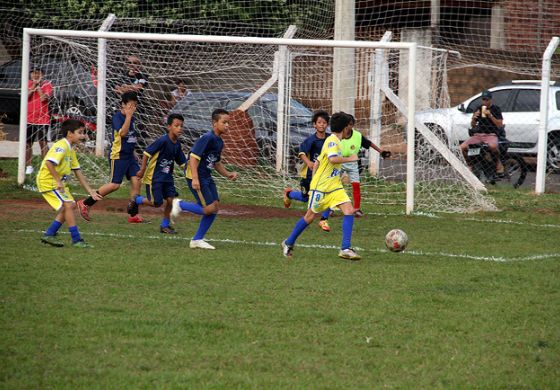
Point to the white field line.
(464, 256)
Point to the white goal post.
(280, 42)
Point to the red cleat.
(136, 219)
(287, 200)
(83, 210)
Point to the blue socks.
(297, 195)
(74, 233)
(139, 199)
(205, 223)
(53, 228)
(164, 223)
(326, 214)
(301, 225)
(194, 208)
(347, 223)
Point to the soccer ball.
(396, 240)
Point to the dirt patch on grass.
(118, 206)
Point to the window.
(558, 100)
(499, 98)
(528, 100)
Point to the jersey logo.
(335, 172)
(331, 144)
(59, 150)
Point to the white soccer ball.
(396, 240)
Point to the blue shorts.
(158, 191)
(207, 194)
(123, 168)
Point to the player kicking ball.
(326, 189)
(205, 156)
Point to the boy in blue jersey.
(60, 160)
(122, 159)
(156, 171)
(309, 150)
(326, 189)
(205, 156)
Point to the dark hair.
(217, 113)
(339, 121)
(174, 116)
(129, 97)
(352, 119)
(320, 114)
(71, 125)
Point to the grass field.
(474, 302)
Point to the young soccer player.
(51, 181)
(350, 146)
(159, 159)
(326, 189)
(205, 156)
(309, 150)
(122, 159)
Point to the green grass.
(474, 302)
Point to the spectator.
(179, 93)
(38, 117)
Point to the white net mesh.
(487, 34)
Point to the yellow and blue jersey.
(64, 158)
(311, 147)
(122, 147)
(327, 176)
(162, 156)
(208, 150)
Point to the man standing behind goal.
(326, 189)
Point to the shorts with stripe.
(56, 198)
(320, 201)
(158, 191)
(207, 194)
(123, 168)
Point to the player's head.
(340, 121)
(129, 97)
(320, 121)
(486, 97)
(220, 120)
(36, 73)
(73, 129)
(133, 63)
(181, 84)
(175, 124)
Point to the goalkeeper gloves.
(385, 154)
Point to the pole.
(26, 48)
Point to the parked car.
(520, 105)
(74, 90)
(197, 109)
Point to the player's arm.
(336, 159)
(194, 162)
(221, 169)
(306, 160)
(129, 110)
(84, 183)
(366, 143)
(143, 165)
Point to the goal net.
(272, 91)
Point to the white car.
(520, 105)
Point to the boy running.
(326, 189)
(51, 181)
(122, 159)
(309, 150)
(156, 171)
(205, 156)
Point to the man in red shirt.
(38, 117)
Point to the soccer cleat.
(175, 209)
(200, 244)
(136, 219)
(83, 210)
(358, 213)
(287, 200)
(167, 230)
(81, 244)
(132, 208)
(287, 250)
(52, 240)
(324, 224)
(349, 254)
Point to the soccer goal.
(271, 86)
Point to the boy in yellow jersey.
(326, 189)
(51, 182)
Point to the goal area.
(272, 87)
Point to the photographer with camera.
(486, 124)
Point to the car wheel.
(74, 108)
(425, 150)
(553, 152)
